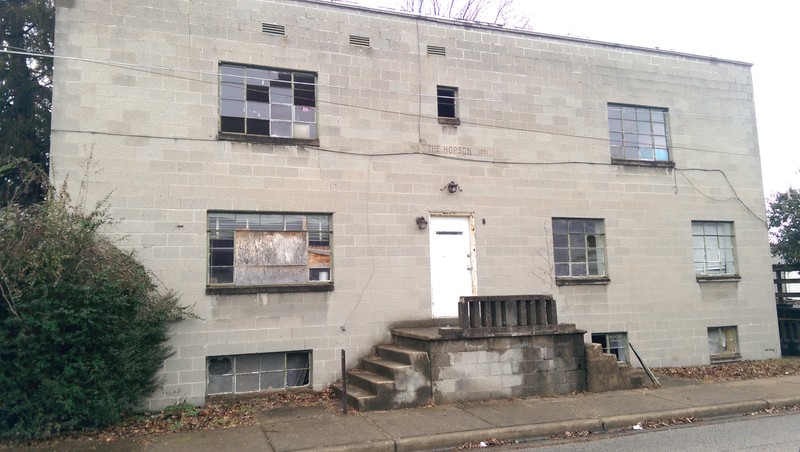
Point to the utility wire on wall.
(605, 140)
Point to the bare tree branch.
(498, 12)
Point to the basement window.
(258, 103)
(447, 107)
(269, 252)
(723, 344)
(614, 344)
(241, 374)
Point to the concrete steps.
(605, 373)
(397, 377)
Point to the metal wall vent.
(273, 29)
(437, 50)
(362, 41)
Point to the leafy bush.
(82, 323)
(783, 214)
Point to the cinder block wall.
(500, 367)
(135, 117)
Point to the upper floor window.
(638, 133)
(268, 249)
(267, 102)
(579, 248)
(713, 248)
(446, 105)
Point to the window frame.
(727, 354)
(564, 243)
(222, 250)
(606, 344)
(232, 85)
(447, 99)
(237, 372)
(705, 275)
(621, 133)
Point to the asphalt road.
(774, 433)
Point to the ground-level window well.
(239, 374)
(613, 343)
(723, 343)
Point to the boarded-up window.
(268, 249)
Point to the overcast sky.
(758, 32)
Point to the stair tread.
(399, 348)
(356, 392)
(386, 362)
(371, 376)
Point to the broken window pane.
(258, 127)
(258, 95)
(613, 343)
(723, 342)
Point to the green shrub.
(82, 323)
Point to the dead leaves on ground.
(491, 442)
(215, 414)
(741, 370)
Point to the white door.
(452, 263)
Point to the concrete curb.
(444, 440)
(533, 431)
(783, 402)
(372, 446)
(628, 420)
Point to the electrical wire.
(419, 116)
(215, 76)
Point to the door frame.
(470, 216)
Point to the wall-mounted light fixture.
(422, 223)
(452, 187)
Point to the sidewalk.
(320, 428)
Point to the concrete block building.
(308, 174)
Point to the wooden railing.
(506, 311)
(787, 287)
